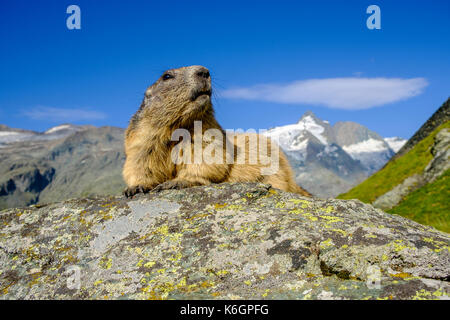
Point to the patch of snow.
(7, 133)
(395, 143)
(328, 150)
(369, 145)
(301, 153)
(58, 128)
(371, 153)
(8, 137)
(13, 136)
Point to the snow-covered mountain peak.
(289, 137)
(294, 137)
(310, 123)
(312, 139)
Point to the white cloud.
(59, 114)
(341, 93)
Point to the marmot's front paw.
(172, 184)
(131, 191)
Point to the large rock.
(223, 241)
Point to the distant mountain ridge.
(64, 162)
(69, 161)
(329, 160)
(11, 135)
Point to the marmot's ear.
(148, 97)
(149, 92)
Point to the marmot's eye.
(167, 76)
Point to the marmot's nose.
(202, 72)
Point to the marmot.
(178, 99)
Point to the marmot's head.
(179, 96)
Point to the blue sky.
(270, 50)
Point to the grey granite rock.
(226, 241)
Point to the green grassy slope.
(429, 205)
(395, 171)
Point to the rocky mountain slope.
(226, 241)
(441, 116)
(64, 162)
(329, 160)
(415, 182)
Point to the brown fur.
(175, 103)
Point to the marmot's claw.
(131, 191)
(170, 185)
